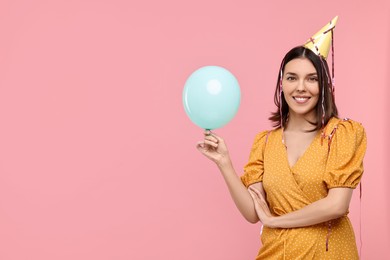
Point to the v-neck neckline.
(318, 135)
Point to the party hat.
(320, 42)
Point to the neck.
(300, 123)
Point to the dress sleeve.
(345, 162)
(253, 170)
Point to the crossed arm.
(253, 206)
(333, 206)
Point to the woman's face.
(301, 88)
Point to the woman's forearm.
(238, 192)
(333, 206)
(214, 148)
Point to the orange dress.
(333, 161)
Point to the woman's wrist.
(224, 163)
(271, 222)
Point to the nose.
(301, 86)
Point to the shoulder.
(346, 131)
(260, 138)
(345, 126)
(351, 127)
(264, 135)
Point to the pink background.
(97, 156)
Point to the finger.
(211, 143)
(210, 133)
(200, 144)
(211, 138)
(202, 147)
(217, 137)
(259, 196)
(257, 192)
(254, 190)
(264, 205)
(259, 208)
(207, 132)
(252, 195)
(255, 197)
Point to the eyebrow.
(294, 74)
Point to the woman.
(300, 176)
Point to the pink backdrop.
(97, 157)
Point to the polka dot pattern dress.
(333, 161)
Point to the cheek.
(316, 100)
(288, 87)
(314, 90)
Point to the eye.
(313, 79)
(290, 78)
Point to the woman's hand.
(261, 207)
(214, 148)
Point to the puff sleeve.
(253, 170)
(345, 160)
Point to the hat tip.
(334, 20)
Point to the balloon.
(211, 97)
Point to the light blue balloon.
(211, 97)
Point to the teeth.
(301, 99)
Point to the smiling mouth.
(301, 100)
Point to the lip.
(301, 99)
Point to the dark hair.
(325, 85)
